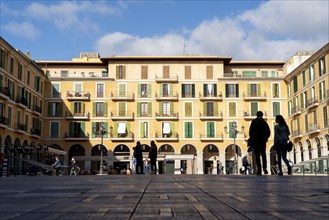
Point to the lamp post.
(101, 130)
(233, 131)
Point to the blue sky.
(242, 29)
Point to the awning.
(122, 128)
(56, 151)
(166, 128)
(179, 157)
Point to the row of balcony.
(310, 129)
(121, 115)
(129, 136)
(130, 96)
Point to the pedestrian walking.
(246, 165)
(57, 165)
(74, 168)
(259, 132)
(153, 154)
(281, 137)
(138, 154)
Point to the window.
(28, 75)
(274, 73)
(188, 90)
(11, 90)
(55, 90)
(264, 73)
(248, 73)
(122, 108)
(188, 129)
(166, 129)
(254, 108)
(97, 128)
(77, 130)
(166, 72)
(166, 90)
(37, 83)
(325, 117)
(10, 112)
(304, 100)
(121, 72)
(20, 71)
(2, 111)
(232, 109)
(210, 71)
(306, 122)
(144, 90)
(166, 108)
(144, 129)
(122, 90)
(304, 78)
(144, 72)
(100, 90)
(122, 128)
(295, 81)
(55, 109)
(311, 73)
(232, 90)
(231, 124)
(209, 109)
(105, 73)
(210, 129)
(78, 108)
(188, 109)
(275, 90)
(209, 90)
(276, 108)
(77, 88)
(322, 66)
(3, 59)
(64, 73)
(253, 90)
(322, 90)
(188, 72)
(11, 70)
(18, 115)
(54, 129)
(144, 111)
(99, 109)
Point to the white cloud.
(25, 29)
(273, 31)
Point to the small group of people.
(138, 156)
(259, 132)
(57, 166)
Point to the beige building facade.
(95, 108)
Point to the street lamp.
(101, 130)
(233, 131)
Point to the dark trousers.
(260, 151)
(153, 165)
(139, 166)
(281, 151)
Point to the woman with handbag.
(281, 137)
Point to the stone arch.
(96, 150)
(121, 150)
(229, 158)
(210, 157)
(8, 146)
(166, 149)
(309, 147)
(318, 146)
(188, 149)
(77, 150)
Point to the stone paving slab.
(164, 197)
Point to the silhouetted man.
(259, 132)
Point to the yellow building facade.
(96, 109)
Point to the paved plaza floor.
(164, 197)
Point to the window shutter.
(171, 108)
(115, 129)
(139, 90)
(149, 91)
(215, 90)
(193, 90)
(83, 107)
(94, 109)
(259, 90)
(161, 90)
(254, 108)
(71, 129)
(215, 109)
(128, 128)
(149, 109)
(105, 109)
(230, 126)
(160, 108)
(226, 90)
(183, 90)
(204, 108)
(171, 90)
(71, 110)
(172, 128)
(141, 130)
(105, 130)
(93, 129)
(237, 90)
(49, 108)
(60, 109)
(205, 89)
(138, 109)
(83, 126)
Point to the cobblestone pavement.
(164, 197)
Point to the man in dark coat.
(259, 132)
(138, 154)
(153, 153)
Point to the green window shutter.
(204, 89)
(122, 90)
(188, 109)
(249, 89)
(172, 128)
(94, 109)
(72, 110)
(83, 129)
(232, 109)
(171, 90)
(149, 90)
(186, 129)
(254, 108)
(128, 127)
(149, 109)
(183, 90)
(93, 129)
(49, 108)
(122, 109)
(237, 90)
(83, 108)
(212, 129)
(161, 90)
(215, 90)
(230, 126)
(115, 129)
(105, 109)
(139, 90)
(171, 108)
(61, 109)
(138, 109)
(141, 130)
(160, 108)
(276, 108)
(193, 90)
(216, 109)
(106, 130)
(258, 90)
(320, 91)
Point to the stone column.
(88, 162)
(298, 156)
(223, 161)
(200, 163)
(177, 167)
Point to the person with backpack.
(153, 153)
(281, 137)
(57, 166)
(245, 164)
